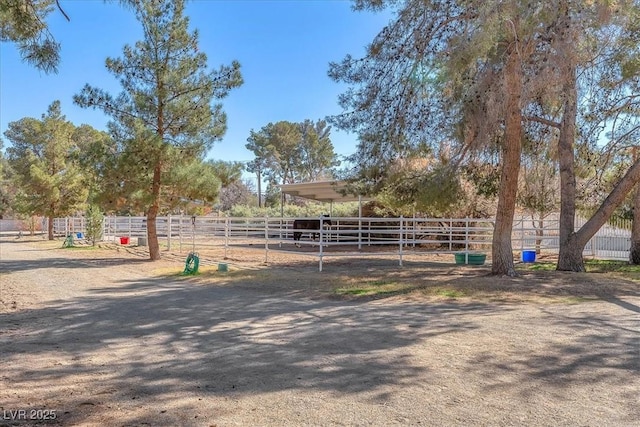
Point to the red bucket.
(124, 240)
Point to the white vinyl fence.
(350, 236)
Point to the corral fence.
(350, 236)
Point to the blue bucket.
(528, 256)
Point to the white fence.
(352, 235)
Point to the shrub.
(94, 224)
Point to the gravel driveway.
(109, 341)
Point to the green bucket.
(473, 259)
(223, 268)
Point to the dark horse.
(309, 224)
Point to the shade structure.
(322, 191)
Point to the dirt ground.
(104, 337)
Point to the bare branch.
(62, 11)
(547, 122)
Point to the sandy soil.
(106, 338)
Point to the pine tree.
(443, 73)
(164, 117)
(476, 75)
(316, 151)
(23, 22)
(48, 179)
(288, 152)
(279, 145)
(6, 192)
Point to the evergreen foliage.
(287, 152)
(483, 76)
(164, 120)
(6, 189)
(48, 179)
(23, 22)
(94, 219)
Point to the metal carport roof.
(322, 191)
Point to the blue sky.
(284, 48)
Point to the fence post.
(450, 235)
(414, 229)
(320, 226)
(401, 242)
(226, 236)
(266, 238)
(180, 233)
(169, 232)
(521, 233)
(466, 240)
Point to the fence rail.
(395, 234)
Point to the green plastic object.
(68, 242)
(192, 264)
(473, 259)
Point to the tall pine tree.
(165, 117)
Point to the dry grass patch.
(422, 277)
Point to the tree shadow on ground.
(589, 357)
(141, 349)
(151, 339)
(61, 262)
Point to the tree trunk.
(259, 188)
(634, 250)
(570, 254)
(502, 251)
(152, 214)
(539, 233)
(578, 240)
(50, 227)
